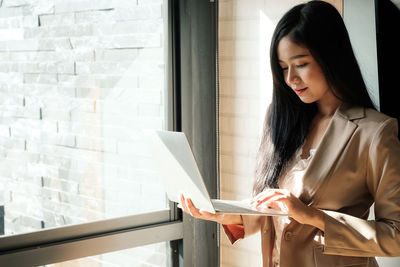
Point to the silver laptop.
(178, 168)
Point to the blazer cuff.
(340, 237)
(251, 224)
(334, 240)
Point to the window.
(80, 85)
(79, 80)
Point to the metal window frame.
(88, 239)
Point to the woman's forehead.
(288, 50)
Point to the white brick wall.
(79, 79)
(245, 29)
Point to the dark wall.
(388, 46)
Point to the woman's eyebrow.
(296, 56)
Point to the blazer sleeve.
(351, 236)
(251, 225)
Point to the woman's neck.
(328, 109)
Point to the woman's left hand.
(284, 200)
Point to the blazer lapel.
(334, 140)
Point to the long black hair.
(319, 27)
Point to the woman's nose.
(292, 77)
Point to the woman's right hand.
(189, 208)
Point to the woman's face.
(302, 73)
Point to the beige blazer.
(356, 164)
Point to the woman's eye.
(297, 66)
(302, 65)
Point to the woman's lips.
(300, 91)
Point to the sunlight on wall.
(266, 28)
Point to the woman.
(326, 154)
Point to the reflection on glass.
(78, 82)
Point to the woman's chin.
(307, 100)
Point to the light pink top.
(292, 180)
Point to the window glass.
(79, 80)
(153, 255)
